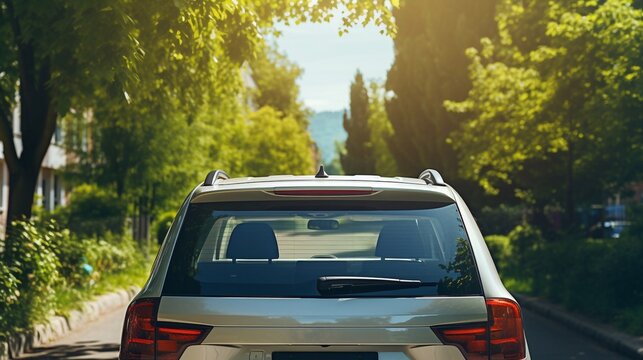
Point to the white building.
(50, 192)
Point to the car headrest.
(252, 241)
(400, 239)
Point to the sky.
(330, 61)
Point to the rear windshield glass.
(322, 249)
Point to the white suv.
(324, 267)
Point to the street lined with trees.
(532, 108)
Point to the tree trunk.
(570, 207)
(37, 124)
(22, 188)
(141, 224)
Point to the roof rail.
(214, 176)
(432, 177)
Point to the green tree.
(358, 155)
(335, 166)
(58, 55)
(381, 131)
(276, 84)
(561, 117)
(148, 158)
(430, 67)
(272, 144)
(49, 57)
(277, 145)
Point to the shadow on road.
(77, 350)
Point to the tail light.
(146, 339)
(502, 338)
(138, 331)
(471, 339)
(507, 337)
(172, 341)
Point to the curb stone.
(625, 344)
(57, 327)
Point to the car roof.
(264, 188)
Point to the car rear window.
(286, 248)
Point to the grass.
(630, 320)
(71, 298)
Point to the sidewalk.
(57, 327)
(98, 339)
(608, 336)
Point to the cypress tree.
(358, 157)
(430, 67)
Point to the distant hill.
(326, 129)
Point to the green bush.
(162, 226)
(597, 277)
(8, 297)
(635, 214)
(71, 254)
(93, 211)
(600, 277)
(107, 257)
(499, 219)
(500, 249)
(41, 261)
(526, 243)
(35, 266)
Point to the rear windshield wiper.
(342, 285)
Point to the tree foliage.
(148, 158)
(430, 67)
(263, 142)
(93, 212)
(381, 131)
(276, 84)
(276, 145)
(118, 54)
(358, 157)
(563, 107)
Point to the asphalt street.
(548, 340)
(100, 339)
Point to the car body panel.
(376, 324)
(218, 352)
(323, 313)
(393, 189)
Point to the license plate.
(324, 356)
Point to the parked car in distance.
(324, 267)
(614, 228)
(609, 229)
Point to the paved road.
(548, 340)
(98, 340)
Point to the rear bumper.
(255, 328)
(215, 352)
